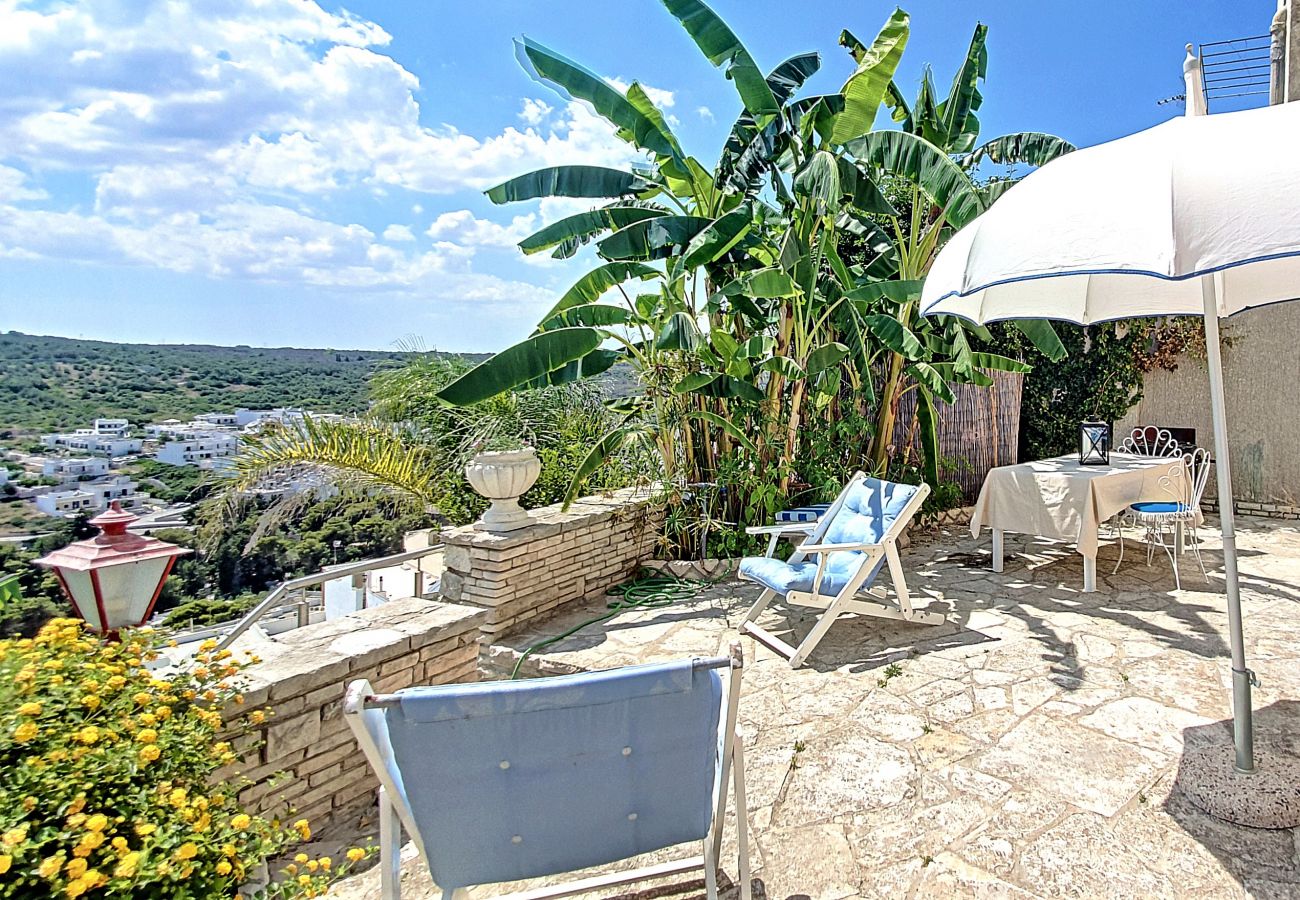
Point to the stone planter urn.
(502, 476)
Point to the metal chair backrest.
(1198, 468)
(1148, 440)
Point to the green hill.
(53, 382)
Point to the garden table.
(1061, 500)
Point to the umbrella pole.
(1242, 678)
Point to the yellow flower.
(76, 868)
(177, 797)
(163, 712)
(147, 736)
(141, 698)
(87, 735)
(145, 830)
(5, 862)
(97, 822)
(117, 682)
(303, 829)
(90, 701)
(119, 844)
(229, 849)
(14, 836)
(304, 880)
(127, 867)
(223, 868)
(76, 888)
(256, 717)
(325, 863)
(301, 858)
(29, 709)
(188, 850)
(356, 854)
(208, 646)
(77, 805)
(50, 866)
(25, 732)
(149, 753)
(91, 840)
(240, 822)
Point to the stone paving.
(1027, 748)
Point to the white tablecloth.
(1064, 501)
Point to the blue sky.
(296, 173)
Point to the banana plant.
(932, 159)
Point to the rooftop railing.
(1241, 67)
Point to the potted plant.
(502, 471)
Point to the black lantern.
(1094, 444)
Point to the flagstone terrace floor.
(1027, 748)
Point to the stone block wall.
(562, 556)
(301, 680)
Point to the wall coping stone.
(547, 521)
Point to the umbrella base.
(1269, 797)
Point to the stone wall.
(562, 556)
(301, 680)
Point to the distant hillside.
(53, 382)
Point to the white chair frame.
(395, 814)
(1185, 484)
(1140, 441)
(846, 600)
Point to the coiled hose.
(645, 592)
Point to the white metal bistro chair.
(1148, 440)
(506, 780)
(839, 561)
(1185, 485)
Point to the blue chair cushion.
(803, 513)
(518, 779)
(1159, 507)
(869, 510)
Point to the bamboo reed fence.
(977, 432)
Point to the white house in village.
(89, 440)
(75, 469)
(111, 427)
(92, 497)
(65, 503)
(198, 450)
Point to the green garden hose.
(645, 592)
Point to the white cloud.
(14, 187)
(658, 96)
(535, 111)
(464, 229)
(704, 113)
(398, 233)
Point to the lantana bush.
(115, 779)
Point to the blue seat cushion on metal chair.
(1159, 507)
(803, 513)
(518, 779)
(869, 510)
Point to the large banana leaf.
(652, 238)
(1031, 148)
(920, 162)
(898, 291)
(592, 286)
(609, 443)
(584, 224)
(679, 333)
(593, 315)
(894, 335)
(569, 181)
(1043, 336)
(644, 128)
(720, 44)
(788, 77)
(866, 87)
(589, 366)
(718, 238)
(530, 360)
(928, 421)
(956, 113)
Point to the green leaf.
(964, 96)
(583, 225)
(641, 102)
(1032, 148)
(862, 190)
(866, 87)
(718, 238)
(929, 378)
(643, 127)
(591, 365)
(1043, 336)
(826, 356)
(721, 46)
(997, 363)
(568, 181)
(900, 112)
(679, 333)
(899, 292)
(920, 162)
(731, 429)
(694, 381)
(723, 343)
(785, 366)
(608, 444)
(894, 335)
(595, 315)
(756, 346)
(819, 180)
(656, 238)
(788, 77)
(530, 359)
(768, 283)
(724, 386)
(592, 286)
(928, 421)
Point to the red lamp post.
(114, 578)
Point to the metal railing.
(1238, 68)
(275, 599)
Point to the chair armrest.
(831, 548)
(781, 528)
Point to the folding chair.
(506, 780)
(840, 560)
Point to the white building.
(119, 488)
(198, 451)
(90, 441)
(111, 427)
(74, 469)
(216, 420)
(254, 419)
(65, 503)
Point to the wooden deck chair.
(839, 561)
(507, 780)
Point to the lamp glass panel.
(127, 589)
(83, 596)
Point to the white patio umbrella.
(1197, 216)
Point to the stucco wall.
(1262, 384)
